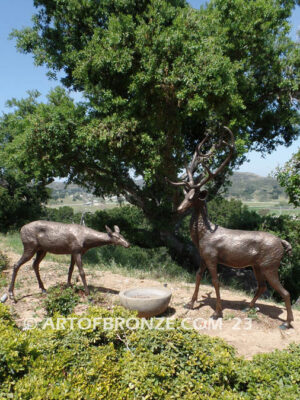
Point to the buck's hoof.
(189, 306)
(216, 316)
(285, 326)
(44, 291)
(12, 297)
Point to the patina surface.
(233, 248)
(42, 237)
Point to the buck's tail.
(287, 247)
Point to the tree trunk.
(185, 251)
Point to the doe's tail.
(287, 247)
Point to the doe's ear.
(117, 229)
(108, 230)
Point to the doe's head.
(116, 238)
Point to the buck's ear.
(203, 194)
(117, 229)
(108, 230)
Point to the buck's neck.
(200, 223)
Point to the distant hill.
(248, 186)
(244, 185)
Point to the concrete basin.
(148, 301)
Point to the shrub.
(60, 300)
(288, 229)
(4, 262)
(62, 214)
(132, 222)
(47, 363)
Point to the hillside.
(244, 185)
(247, 186)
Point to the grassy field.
(269, 207)
(273, 207)
(80, 206)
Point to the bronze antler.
(201, 158)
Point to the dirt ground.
(259, 334)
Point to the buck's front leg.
(199, 276)
(212, 267)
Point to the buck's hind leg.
(199, 276)
(26, 256)
(261, 282)
(36, 265)
(273, 279)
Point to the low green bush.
(4, 262)
(60, 300)
(96, 363)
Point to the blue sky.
(19, 74)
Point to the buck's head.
(193, 195)
(192, 198)
(116, 238)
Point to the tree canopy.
(154, 75)
(289, 178)
(21, 195)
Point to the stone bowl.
(148, 301)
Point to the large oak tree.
(155, 75)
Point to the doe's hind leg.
(36, 264)
(26, 256)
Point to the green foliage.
(288, 229)
(121, 363)
(232, 214)
(16, 353)
(4, 262)
(153, 263)
(21, 201)
(289, 178)
(21, 194)
(154, 75)
(132, 222)
(61, 300)
(62, 214)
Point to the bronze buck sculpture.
(40, 237)
(232, 248)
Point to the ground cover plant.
(49, 363)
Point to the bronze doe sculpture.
(233, 248)
(40, 237)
